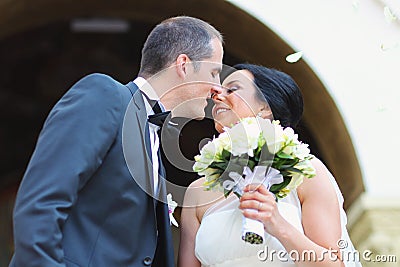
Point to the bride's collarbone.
(207, 200)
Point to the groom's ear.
(182, 64)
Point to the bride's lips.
(217, 110)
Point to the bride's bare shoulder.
(194, 192)
(197, 183)
(197, 191)
(197, 196)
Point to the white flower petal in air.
(292, 58)
(389, 46)
(389, 16)
(356, 5)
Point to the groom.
(92, 194)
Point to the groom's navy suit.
(82, 201)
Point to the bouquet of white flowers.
(259, 151)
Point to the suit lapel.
(139, 109)
(164, 255)
(161, 188)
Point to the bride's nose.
(217, 92)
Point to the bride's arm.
(189, 225)
(320, 218)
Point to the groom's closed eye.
(215, 72)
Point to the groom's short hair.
(175, 36)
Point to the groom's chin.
(198, 116)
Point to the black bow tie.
(159, 118)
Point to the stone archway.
(246, 38)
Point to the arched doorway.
(43, 54)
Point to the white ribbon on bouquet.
(258, 176)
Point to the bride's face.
(237, 99)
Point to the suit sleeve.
(71, 146)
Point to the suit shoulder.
(100, 85)
(98, 77)
(99, 80)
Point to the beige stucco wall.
(342, 44)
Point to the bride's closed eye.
(232, 89)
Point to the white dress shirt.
(146, 88)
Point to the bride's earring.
(259, 114)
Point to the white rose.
(306, 167)
(253, 132)
(289, 134)
(302, 151)
(207, 155)
(273, 135)
(296, 180)
(199, 166)
(289, 149)
(243, 137)
(223, 142)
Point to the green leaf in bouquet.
(217, 172)
(276, 187)
(267, 163)
(227, 192)
(283, 155)
(285, 173)
(291, 169)
(243, 161)
(258, 151)
(263, 154)
(209, 183)
(219, 165)
(288, 165)
(225, 154)
(251, 164)
(237, 194)
(278, 163)
(282, 164)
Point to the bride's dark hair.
(280, 91)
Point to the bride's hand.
(258, 203)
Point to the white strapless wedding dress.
(219, 243)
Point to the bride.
(306, 228)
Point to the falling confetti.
(292, 58)
(356, 5)
(389, 16)
(381, 108)
(386, 46)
